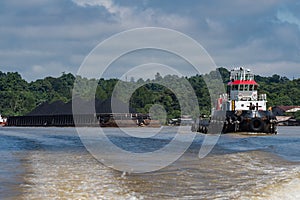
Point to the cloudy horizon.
(42, 38)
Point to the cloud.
(132, 17)
(122, 12)
(286, 16)
(108, 4)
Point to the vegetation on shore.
(19, 97)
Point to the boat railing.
(262, 97)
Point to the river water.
(52, 163)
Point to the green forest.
(19, 97)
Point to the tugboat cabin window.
(251, 88)
(241, 87)
(246, 87)
(235, 87)
(255, 87)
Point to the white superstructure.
(242, 93)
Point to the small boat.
(241, 109)
(3, 121)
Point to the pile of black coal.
(82, 107)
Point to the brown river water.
(52, 163)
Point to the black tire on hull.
(205, 129)
(257, 125)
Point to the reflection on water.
(49, 163)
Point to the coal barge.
(241, 109)
(60, 114)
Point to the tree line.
(19, 97)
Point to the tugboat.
(245, 109)
(3, 121)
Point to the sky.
(40, 38)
